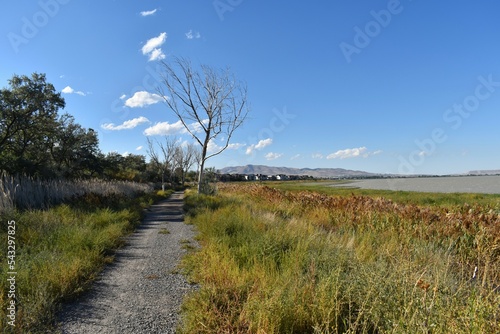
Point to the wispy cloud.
(360, 152)
(235, 146)
(193, 35)
(139, 148)
(127, 125)
(156, 54)
(142, 98)
(295, 157)
(317, 156)
(259, 146)
(273, 156)
(214, 147)
(148, 12)
(69, 90)
(152, 47)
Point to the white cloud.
(191, 35)
(353, 153)
(69, 90)
(317, 156)
(130, 124)
(196, 127)
(139, 148)
(235, 146)
(273, 156)
(148, 12)
(259, 146)
(152, 47)
(295, 157)
(348, 153)
(123, 97)
(263, 143)
(165, 128)
(142, 99)
(214, 147)
(156, 54)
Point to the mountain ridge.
(485, 172)
(314, 172)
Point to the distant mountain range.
(314, 172)
(484, 172)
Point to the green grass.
(60, 251)
(164, 231)
(301, 262)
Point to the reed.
(277, 261)
(24, 192)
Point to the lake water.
(462, 184)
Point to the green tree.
(28, 122)
(75, 150)
(130, 168)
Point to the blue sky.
(408, 86)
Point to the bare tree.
(157, 162)
(185, 157)
(209, 103)
(165, 161)
(168, 149)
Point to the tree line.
(37, 141)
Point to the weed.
(163, 231)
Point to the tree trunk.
(200, 175)
(203, 156)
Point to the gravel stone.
(140, 292)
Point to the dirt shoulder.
(140, 291)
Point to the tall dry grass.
(24, 192)
(301, 262)
(60, 250)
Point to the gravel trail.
(140, 291)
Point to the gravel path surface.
(140, 291)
